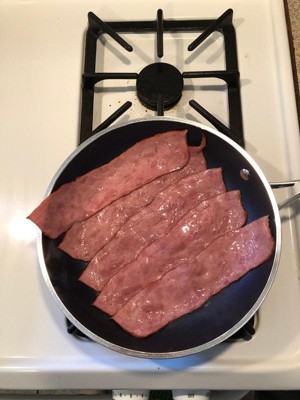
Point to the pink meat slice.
(140, 164)
(189, 286)
(152, 222)
(193, 233)
(84, 239)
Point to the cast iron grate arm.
(99, 27)
(160, 32)
(113, 117)
(224, 20)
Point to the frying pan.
(225, 312)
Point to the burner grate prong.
(113, 117)
(215, 122)
(89, 80)
(160, 105)
(225, 18)
(100, 26)
(232, 78)
(160, 32)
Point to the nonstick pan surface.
(225, 312)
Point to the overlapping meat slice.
(151, 223)
(84, 239)
(193, 233)
(140, 164)
(190, 285)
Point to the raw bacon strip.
(193, 233)
(152, 222)
(84, 239)
(189, 286)
(140, 164)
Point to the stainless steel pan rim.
(220, 338)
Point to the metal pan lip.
(225, 335)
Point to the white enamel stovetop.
(41, 53)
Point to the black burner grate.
(161, 99)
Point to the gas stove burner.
(159, 86)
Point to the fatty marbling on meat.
(190, 285)
(151, 223)
(140, 164)
(84, 239)
(193, 233)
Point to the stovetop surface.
(40, 74)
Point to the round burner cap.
(159, 79)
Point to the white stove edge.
(211, 369)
